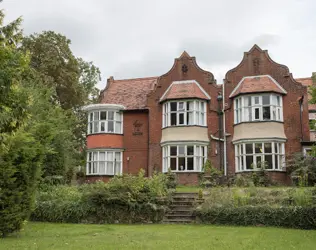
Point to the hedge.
(282, 216)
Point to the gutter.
(224, 131)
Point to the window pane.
(248, 101)
(118, 156)
(265, 99)
(102, 167)
(117, 169)
(90, 128)
(203, 106)
(266, 113)
(102, 156)
(248, 114)
(249, 149)
(258, 161)
(173, 150)
(278, 101)
(190, 150)
(182, 164)
(181, 150)
(91, 117)
(173, 119)
(95, 127)
(110, 168)
(118, 116)
(110, 126)
(249, 161)
(90, 156)
(103, 115)
(118, 127)
(202, 119)
(96, 116)
(242, 148)
(102, 126)
(276, 161)
(268, 161)
(237, 104)
(89, 168)
(95, 156)
(95, 168)
(256, 99)
(267, 148)
(181, 106)
(110, 156)
(190, 118)
(258, 148)
(173, 163)
(181, 118)
(276, 147)
(273, 113)
(173, 106)
(110, 115)
(257, 114)
(190, 163)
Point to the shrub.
(171, 180)
(292, 216)
(124, 199)
(210, 176)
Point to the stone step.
(180, 202)
(184, 194)
(180, 216)
(183, 212)
(178, 198)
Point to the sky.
(141, 38)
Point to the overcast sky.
(139, 38)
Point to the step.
(181, 210)
(188, 203)
(183, 198)
(184, 213)
(185, 194)
(180, 216)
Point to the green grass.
(79, 236)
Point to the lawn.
(79, 236)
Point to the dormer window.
(104, 118)
(264, 107)
(184, 113)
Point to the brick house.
(178, 120)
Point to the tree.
(11, 34)
(20, 154)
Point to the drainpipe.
(220, 128)
(301, 116)
(224, 132)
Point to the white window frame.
(277, 152)
(199, 157)
(241, 111)
(94, 162)
(199, 113)
(95, 123)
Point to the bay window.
(265, 107)
(104, 162)
(184, 158)
(183, 113)
(105, 121)
(255, 155)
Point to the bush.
(171, 179)
(20, 161)
(124, 199)
(292, 216)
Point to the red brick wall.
(135, 141)
(291, 108)
(92, 179)
(206, 80)
(104, 141)
(187, 178)
(276, 177)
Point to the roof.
(257, 84)
(183, 90)
(131, 93)
(308, 82)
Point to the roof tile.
(131, 93)
(257, 84)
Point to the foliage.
(210, 176)
(285, 207)
(171, 179)
(200, 194)
(291, 217)
(302, 169)
(10, 34)
(125, 199)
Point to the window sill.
(256, 170)
(102, 133)
(184, 126)
(100, 175)
(185, 172)
(235, 124)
